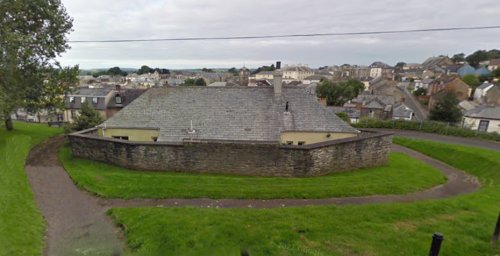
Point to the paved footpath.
(78, 225)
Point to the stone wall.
(231, 157)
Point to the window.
(73, 114)
(82, 99)
(120, 137)
(118, 99)
(483, 126)
(301, 143)
(71, 99)
(95, 100)
(289, 142)
(155, 139)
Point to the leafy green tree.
(200, 82)
(447, 109)
(344, 117)
(264, 68)
(340, 93)
(208, 70)
(400, 65)
(496, 72)
(459, 57)
(471, 80)
(420, 92)
(32, 35)
(233, 71)
(56, 82)
(162, 71)
(477, 57)
(194, 82)
(116, 71)
(145, 70)
(88, 118)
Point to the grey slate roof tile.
(230, 113)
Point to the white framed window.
(95, 100)
(72, 99)
(83, 99)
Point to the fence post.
(437, 239)
(496, 233)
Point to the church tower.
(244, 76)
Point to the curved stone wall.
(236, 157)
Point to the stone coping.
(365, 134)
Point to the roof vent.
(191, 130)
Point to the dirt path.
(78, 225)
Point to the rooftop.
(227, 113)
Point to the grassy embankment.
(21, 225)
(116, 182)
(381, 229)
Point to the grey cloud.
(133, 19)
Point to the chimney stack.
(278, 79)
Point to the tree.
(194, 82)
(459, 57)
(338, 94)
(447, 109)
(400, 65)
(344, 117)
(47, 95)
(420, 92)
(233, 71)
(88, 118)
(264, 68)
(496, 72)
(32, 35)
(208, 70)
(477, 57)
(145, 70)
(116, 71)
(471, 80)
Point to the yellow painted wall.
(313, 137)
(133, 134)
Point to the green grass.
(403, 175)
(21, 224)
(467, 222)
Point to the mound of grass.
(467, 222)
(402, 175)
(21, 224)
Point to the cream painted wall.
(133, 134)
(473, 123)
(313, 137)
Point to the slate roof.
(402, 111)
(127, 95)
(485, 86)
(230, 113)
(89, 94)
(484, 112)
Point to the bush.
(426, 126)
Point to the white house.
(296, 73)
(482, 90)
(483, 119)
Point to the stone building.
(268, 131)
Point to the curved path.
(78, 225)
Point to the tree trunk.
(8, 123)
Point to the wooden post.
(496, 233)
(437, 239)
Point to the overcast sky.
(146, 19)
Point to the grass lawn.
(21, 225)
(403, 175)
(467, 222)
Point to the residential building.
(437, 63)
(267, 75)
(483, 119)
(402, 112)
(296, 73)
(97, 97)
(492, 96)
(372, 106)
(440, 87)
(481, 91)
(494, 64)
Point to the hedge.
(427, 126)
